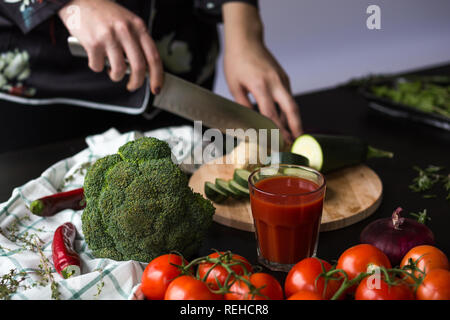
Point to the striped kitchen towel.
(26, 267)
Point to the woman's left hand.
(250, 68)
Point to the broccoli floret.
(139, 205)
(144, 149)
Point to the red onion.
(395, 236)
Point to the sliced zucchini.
(238, 189)
(289, 158)
(268, 171)
(213, 193)
(307, 146)
(241, 177)
(224, 186)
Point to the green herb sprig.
(422, 216)
(10, 282)
(27, 242)
(100, 284)
(427, 178)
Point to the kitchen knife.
(195, 103)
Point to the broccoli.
(139, 205)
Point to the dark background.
(34, 138)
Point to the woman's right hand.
(108, 30)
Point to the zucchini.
(224, 186)
(330, 152)
(213, 193)
(238, 189)
(289, 158)
(241, 177)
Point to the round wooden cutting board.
(352, 194)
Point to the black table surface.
(34, 138)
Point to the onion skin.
(395, 236)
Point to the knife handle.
(77, 50)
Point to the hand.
(254, 70)
(251, 68)
(106, 29)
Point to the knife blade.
(195, 103)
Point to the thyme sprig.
(45, 271)
(100, 284)
(422, 216)
(80, 170)
(11, 282)
(427, 178)
(28, 242)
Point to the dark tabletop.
(34, 138)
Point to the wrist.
(63, 12)
(242, 26)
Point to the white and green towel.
(100, 278)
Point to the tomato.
(189, 288)
(305, 295)
(370, 289)
(303, 276)
(159, 273)
(220, 272)
(373, 288)
(435, 286)
(427, 258)
(359, 258)
(271, 288)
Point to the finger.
(286, 82)
(290, 108)
(290, 139)
(116, 60)
(240, 94)
(135, 57)
(267, 108)
(156, 71)
(96, 58)
(283, 119)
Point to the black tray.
(396, 110)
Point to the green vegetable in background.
(139, 205)
(424, 94)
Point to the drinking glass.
(286, 202)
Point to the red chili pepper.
(65, 258)
(50, 205)
(17, 90)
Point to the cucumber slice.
(224, 186)
(238, 189)
(213, 193)
(289, 158)
(268, 171)
(241, 177)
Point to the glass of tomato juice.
(286, 202)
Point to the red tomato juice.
(287, 211)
